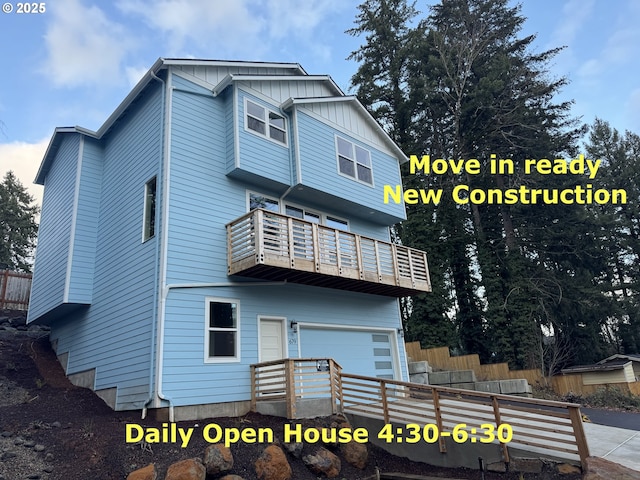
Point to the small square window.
(265, 122)
(354, 161)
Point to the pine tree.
(18, 227)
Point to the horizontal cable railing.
(267, 238)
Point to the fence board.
(15, 288)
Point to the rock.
(48, 457)
(7, 455)
(147, 473)
(34, 476)
(231, 477)
(18, 441)
(323, 462)
(190, 469)
(39, 448)
(601, 469)
(29, 444)
(273, 465)
(56, 424)
(355, 454)
(217, 459)
(500, 467)
(566, 469)
(526, 465)
(5, 434)
(47, 469)
(294, 448)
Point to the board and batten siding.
(114, 335)
(55, 231)
(189, 380)
(319, 167)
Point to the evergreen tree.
(18, 227)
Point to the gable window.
(354, 161)
(265, 122)
(221, 343)
(149, 217)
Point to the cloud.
(24, 160)
(135, 74)
(227, 25)
(83, 46)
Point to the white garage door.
(360, 352)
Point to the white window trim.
(213, 360)
(266, 135)
(145, 212)
(355, 161)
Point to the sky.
(71, 62)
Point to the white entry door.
(272, 343)
(272, 347)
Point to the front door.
(272, 347)
(272, 344)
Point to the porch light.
(294, 326)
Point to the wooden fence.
(15, 288)
(440, 358)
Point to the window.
(260, 201)
(354, 161)
(265, 122)
(302, 213)
(336, 223)
(222, 330)
(149, 220)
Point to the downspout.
(292, 157)
(157, 257)
(164, 243)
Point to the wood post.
(436, 409)
(290, 388)
(253, 388)
(578, 431)
(496, 414)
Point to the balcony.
(270, 246)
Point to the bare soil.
(74, 435)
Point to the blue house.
(227, 213)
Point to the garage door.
(361, 352)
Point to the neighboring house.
(619, 359)
(226, 213)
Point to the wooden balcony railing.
(268, 245)
(291, 379)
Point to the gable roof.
(619, 358)
(293, 71)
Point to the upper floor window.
(354, 161)
(149, 218)
(260, 201)
(265, 122)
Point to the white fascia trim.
(227, 63)
(233, 78)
